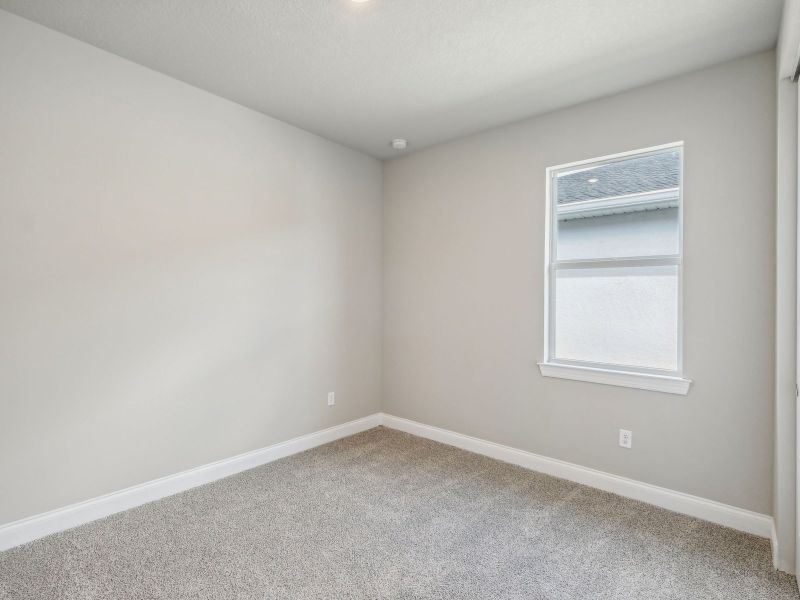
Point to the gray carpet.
(387, 515)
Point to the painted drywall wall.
(785, 458)
(181, 279)
(464, 270)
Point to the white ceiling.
(426, 70)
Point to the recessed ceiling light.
(399, 143)
(593, 180)
(360, 1)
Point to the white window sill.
(642, 381)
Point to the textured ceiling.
(426, 70)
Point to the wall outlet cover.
(625, 438)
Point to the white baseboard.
(708, 510)
(773, 542)
(31, 528)
(779, 561)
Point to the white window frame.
(610, 374)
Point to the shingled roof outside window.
(651, 173)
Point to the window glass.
(619, 316)
(619, 209)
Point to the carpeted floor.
(387, 515)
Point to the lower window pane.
(620, 316)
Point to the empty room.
(399, 299)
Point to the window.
(614, 262)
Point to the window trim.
(610, 374)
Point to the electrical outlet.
(625, 438)
(331, 398)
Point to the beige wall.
(463, 274)
(181, 279)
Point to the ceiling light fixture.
(399, 144)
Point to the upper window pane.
(619, 209)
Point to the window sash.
(618, 263)
(631, 264)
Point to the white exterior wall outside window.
(614, 263)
